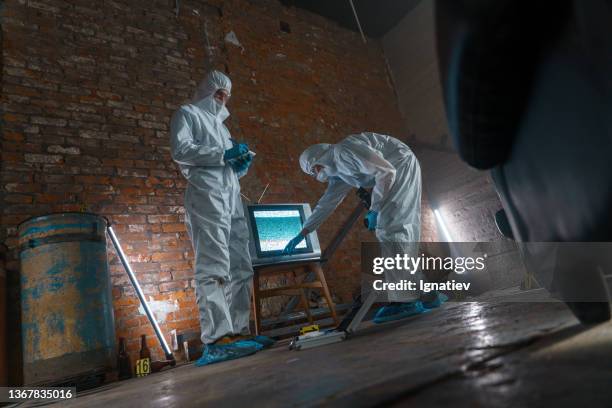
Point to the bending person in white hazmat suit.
(389, 167)
(212, 164)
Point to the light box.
(272, 226)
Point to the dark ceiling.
(376, 16)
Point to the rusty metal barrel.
(66, 305)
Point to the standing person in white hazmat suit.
(212, 163)
(389, 167)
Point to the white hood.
(204, 99)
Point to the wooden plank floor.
(494, 353)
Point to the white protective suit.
(371, 160)
(214, 214)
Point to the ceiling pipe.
(358, 23)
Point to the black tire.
(590, 312)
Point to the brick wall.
(88, 91)
(464, 196)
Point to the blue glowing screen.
(277, 227)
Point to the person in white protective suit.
(389, 167)
(212, 163)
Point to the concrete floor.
(487, 354)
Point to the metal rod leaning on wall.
(139, 293)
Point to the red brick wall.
(88, 90)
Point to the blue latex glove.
(242, 164)
(290, 248)
(238, 150)
(371, 219)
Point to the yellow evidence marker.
(143, 367)
(309, 329)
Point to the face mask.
(220, 111)
(213, 107)
(322, 176)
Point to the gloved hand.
(371, 220)
(290, 248)
(237, 150)
(242, 164)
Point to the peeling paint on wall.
(233, 39)
(210, 50)
(160, 308)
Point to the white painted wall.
(411, 54)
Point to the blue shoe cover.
(216, 353)
(250, 343)
(398, 311)
(265, 341)
(437, 302)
